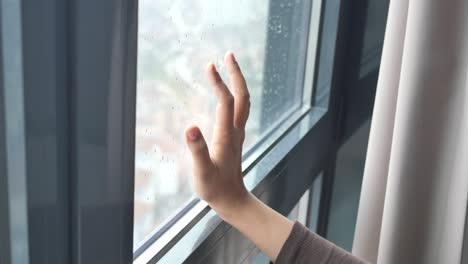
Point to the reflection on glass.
(176, 40)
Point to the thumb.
(200, 154)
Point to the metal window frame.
(357, 91)
(14, 222)
(79, 67)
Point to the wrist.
(231, 210)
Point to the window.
(101, 98)
(176, 39)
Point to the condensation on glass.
(176, 41)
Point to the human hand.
(217, 170)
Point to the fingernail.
(194, 134)
(230, 55)
(213, 67)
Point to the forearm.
(266, 228)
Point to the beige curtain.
(413, 205)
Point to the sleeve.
(303, 246)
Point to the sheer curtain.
(413, 204)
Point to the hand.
(218, 173)
(217, 170)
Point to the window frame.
(13, 203)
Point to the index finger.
(241, 92)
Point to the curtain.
(413, 205)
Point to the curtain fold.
(415, 188)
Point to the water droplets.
(279, 29)
(276, 25)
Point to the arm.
(262, 225)
(218, 179)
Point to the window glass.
(374, 33)
(261, 259)
(327, 57)
(299, 212)
(176, 40)
(344, 204)
(314, 203)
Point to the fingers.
(225, 109)
(203, 164)
(241, 93)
